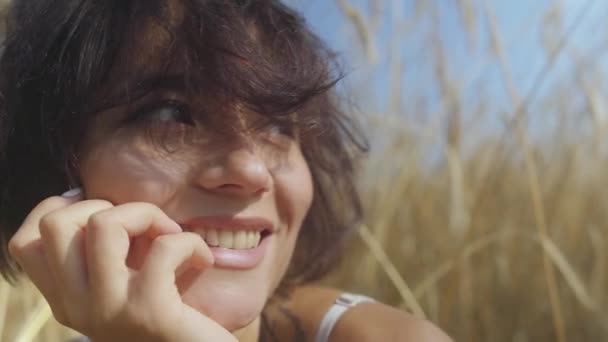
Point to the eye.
(163, 112)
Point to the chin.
(232, 304)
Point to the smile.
(236, 243)
(240, 239)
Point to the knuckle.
(98, 205)
(100, 219)
(18, 251)
(15, 247)
(145, 207)
(163, 244)
(53, 202)
(48, 220)
(193, 236)
(15, 243)
(50, 223)
(102, 203)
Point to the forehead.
(217, 51)
(147, 52)
(226, 53)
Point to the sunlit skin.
(255, 174)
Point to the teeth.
(251, 238)
(240, 240)
(226, 239)
(212, 238)
(230, 239)
(257, 237)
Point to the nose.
(240, 172)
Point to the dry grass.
(499, 238)
(502, 241)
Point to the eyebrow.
(132, 90)
(140, 87)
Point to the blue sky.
(521, 23)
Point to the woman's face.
(245, 191)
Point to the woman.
(210, 166)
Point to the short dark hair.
(63, 59)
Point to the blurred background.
(484, 194)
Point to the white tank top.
(340, 306)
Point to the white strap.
(343, 303)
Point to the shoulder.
(365, 322)
(379, 322)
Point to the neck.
(250, 333)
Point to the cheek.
(294, 190)
(127, 173)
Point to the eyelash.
(144, 113)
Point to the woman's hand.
(76, 252)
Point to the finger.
(27, 249)
(63, 237)
(107, 243)
(168, 256)
(29, 230)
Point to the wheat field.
(494, 234)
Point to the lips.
(236, 243)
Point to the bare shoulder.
(379, 322)
(365, 322)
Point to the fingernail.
(72, 193)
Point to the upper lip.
(228, 223)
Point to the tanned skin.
(297, 318)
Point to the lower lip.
(240, 259)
